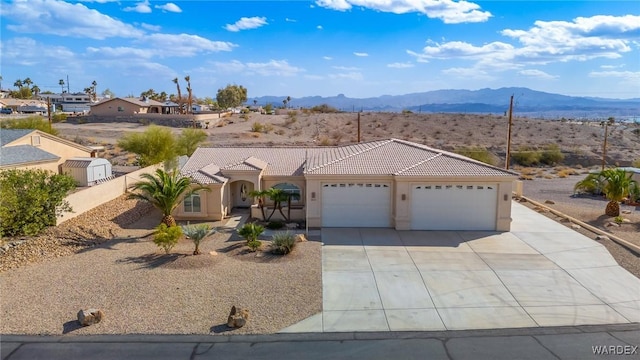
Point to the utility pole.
(358, 128)
(508, 160)
(604, 147)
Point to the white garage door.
(356, 205)
(454, 207)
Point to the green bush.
(283, 242)
(166, 237)
(551, 155)
(254, 245)
(257, 127)
(526, 156)
(275, 225)
(31, 200)
(477, 153)
(251, 232)
(58, 117)
(324, 108)
(31, 122)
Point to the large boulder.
(90, 316)
(237, 317)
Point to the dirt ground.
(581, 142)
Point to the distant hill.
(527, 102)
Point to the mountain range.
(526, 102)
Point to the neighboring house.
(634, 171)
(69, 102)
(198, 108)
(384, 183)
(128, 106)
(34, 149)
(24, 106)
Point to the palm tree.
(592, 184)
(164, 191)
(61, 83)
(175, 81)
(291, 196)
(18, 83)
(94, 85)
(88, 91)
(616, 184)
(289, 100)
(27, 82)
(189, 99)
(36, 90)
(284, 103)
(278, 196)
(260, 195)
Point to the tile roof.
(23, 154)
(382, 157)
(9, 135)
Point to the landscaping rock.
(549, 202)
(90, 316)
(292, 226)
(602, 237)
(626, 221)
(237, 317)
(610, 224)
(576, 226)
(301, 238)
(626, 211)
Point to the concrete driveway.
(539, 274)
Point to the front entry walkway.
(539, 274)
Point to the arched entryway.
(240, 191)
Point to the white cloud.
(546, 42)
(536, 74)
(468, 73)
(29, 52)
(170, 7)
(314, 77)
(290, 20)
(271, 68)
(611, 66)
(319, 27)
(327, 57)
(360, 54)
(626, 75)
(121, 52)
(246, 23)
(345, 68)
(184, 45)
(141, 7)
(350, 75)
(64, 19)
(150, 27)
(449, 11)
(399, 65)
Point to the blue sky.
(359, 48)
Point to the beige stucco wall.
(210, 203)
(87, 199)
(49, 166)
(54, 145)
(110, 108)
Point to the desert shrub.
(166, 237)
(477, 153)
(267, 128)
(58, 117)
(324, 141)
(189, 140)
(31, 200)
(245, 111)
(245, 117)
(31, 122)
(256, 127)
(566, 172)
(275, 225)
(634, 193)
(196, 233)
(525, 156)
(618, 219)
(251, 232)
(283, 242)
(324, 108)
(280, 132)
(254, 245)
(154, 145)
(551, 155)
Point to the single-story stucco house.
(383, 183)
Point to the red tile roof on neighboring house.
(381, 157)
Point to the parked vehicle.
(6, 111)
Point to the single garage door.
(356, 205)
(454, 207)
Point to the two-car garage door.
(355, 204)
(454, 207)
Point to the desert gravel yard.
(143, 291)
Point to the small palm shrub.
(283, 242)
(251, 232)
(196, 233)
(166, 237)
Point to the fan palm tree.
(617, 187)
(278, 196)
(27, 82)
(616, 184)
(61, 83)
(94, 93)
(164, 191)
(36, 90)
(289, 100)
(18, 83)
(196, 233)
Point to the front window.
(290, 189)
(192, 203)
